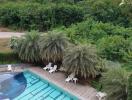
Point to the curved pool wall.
(11, 85)
(40, 89)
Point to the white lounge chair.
(75, 80)
(9, 68)
(101, 95)
(70, 77)
(53, 69)
(49, 66)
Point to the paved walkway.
(10, 34)
(58, 78)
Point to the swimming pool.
(36, 88)
(11, 85)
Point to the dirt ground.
(4, 45)
(2, 29)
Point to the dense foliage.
(8, 57)
(91, 31)
(37, 16)
(108, 11)
(113, 42)
(114, 48)
(45, 14)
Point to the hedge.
(130, 88)
(38, 16)
(108, 11)
(45, 1)
(114, 48)
(92, 31)
(8, 57)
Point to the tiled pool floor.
(38, 89)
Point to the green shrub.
(67, 14)
(130, 88)
(91, 31)
(128, 56)
(111, 29)
(97, 85)
(8, 57)
(113, 48)
(127, 66)
(45, 1)
(108, 11)
(55, 1)
(38, 16)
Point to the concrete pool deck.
(58, 78)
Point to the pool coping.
(83, 92)
(73, 97)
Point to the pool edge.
(54, 85)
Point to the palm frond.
(115, 83)
(52, 46)
(28, 48)
(82, 60)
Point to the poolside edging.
(82, 92)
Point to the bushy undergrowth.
(100, 10)
(46, 1)
(8, 57)
(114, 48)
(113, 42)
(108, 11)
(130, 88)
(93, 31)
(37, 16)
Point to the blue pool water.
(12, 85)
(29, 86)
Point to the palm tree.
(115, 83)
(52, 46)
(82, 60)
(28, 48)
